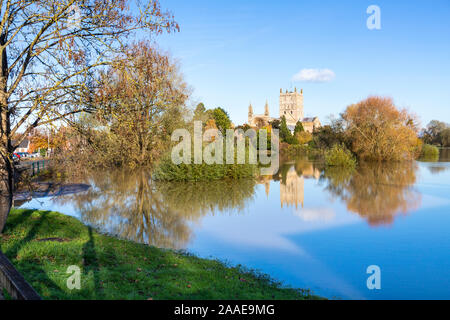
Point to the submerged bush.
(378, 130)
(168, 171)
(429, 152)
(340, 156)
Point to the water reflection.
(132, 206)
(444, 155)
(439, 166)
(292, 177)
(376, 191)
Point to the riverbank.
(43, 244)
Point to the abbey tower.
(291, 106)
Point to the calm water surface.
(305, 226)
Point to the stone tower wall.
(291, 106)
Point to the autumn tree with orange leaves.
(377, 130)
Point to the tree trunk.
(6, 151)
(6, 188)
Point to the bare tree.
(50, 51)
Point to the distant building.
(309, 124)
(259, 120)
(24, 146)
(291, 107)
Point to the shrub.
(303, 137)
(378, 130)
(429, 152)
(340, 156)
(168, 171)
(327, 136)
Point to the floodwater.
(305, 226)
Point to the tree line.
(437, 133)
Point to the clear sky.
(235, 52)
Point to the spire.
(250, 109)
(295, 89)
(266, 109)
(301, 91)
(281, 90)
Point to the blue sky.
(235, 52)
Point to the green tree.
(298, 128)
(285, 133)
(222, 119)
(276, 124)
(445, 137)
(327, 136)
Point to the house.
(310, 124)
(24, 146)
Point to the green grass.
(118, 269)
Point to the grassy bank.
(42, 245)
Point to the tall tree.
(141, 103)
(222, 119)
(49, 51)
(285, 133)
(434, 132)
(378, 130)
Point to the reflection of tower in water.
(292, 182)
(292, 193)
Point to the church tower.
(250, 114)
(266, 109)
(291, 106)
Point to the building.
(309, 124)
(24, 146)
(291, 107)
(259, 120)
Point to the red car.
(16, 157)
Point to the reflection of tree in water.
(132, 206)
(376, 191)
(200, 198)
(444, 155)
(437, 169)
